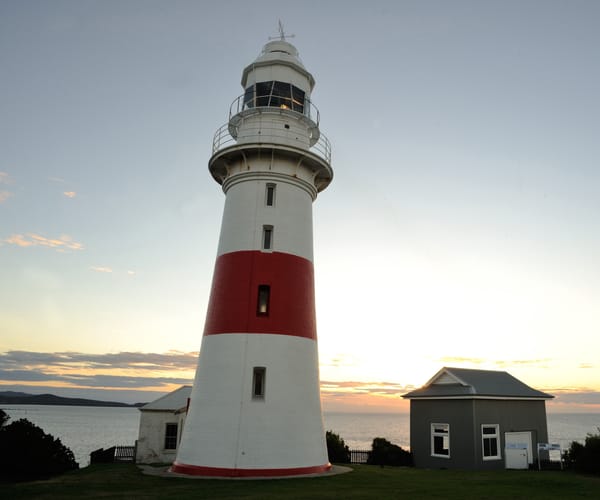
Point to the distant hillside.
(21, 398)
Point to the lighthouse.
(255, 408)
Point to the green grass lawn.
(364, 482)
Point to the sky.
(461, 227)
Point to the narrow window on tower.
(264, 292)
(270, 195)
(267, 237)
(258, 382)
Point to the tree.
(385, 453)
(337, 450)
(27, 453)
(585, 457)
(3, 418)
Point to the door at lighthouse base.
(518, 450)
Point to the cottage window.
(258, 382)
(440, 440)
(490, 434)
(171, 436)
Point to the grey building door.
(518, 450)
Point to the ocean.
(84, 428)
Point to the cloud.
(459, 360)
(172, 360)
(60, 244)
(5, 179)
(575, 397)
(101, 269)
(147, 371)
(139, 370)
(371, 388)
(339, 361)
(124, 370)
(116, 381)
(19, 240)
(60, 180)
(70, 194)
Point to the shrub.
(585, 457)
(385, 453)
(3, 417)
(336, 448)
(29, 453)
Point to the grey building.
(476, 419)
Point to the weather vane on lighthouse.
(282, 36)
(255, 407)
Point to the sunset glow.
(461, 228)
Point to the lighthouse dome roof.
(279, 49)
(278, 52)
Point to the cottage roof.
(170, 402)
(464, 383)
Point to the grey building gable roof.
(464, 383)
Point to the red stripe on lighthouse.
(234, 296)
(197, 470)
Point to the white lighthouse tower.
(255, 408)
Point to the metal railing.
(359, 456)
(223, 139)
(304, 107)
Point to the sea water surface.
(84, 429)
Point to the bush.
(385, 453)
(337, 450)
(29, 453)
(585, 457)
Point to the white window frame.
(496, 436)
(445, 435)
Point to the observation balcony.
(245, 106)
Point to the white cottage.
(161, 423)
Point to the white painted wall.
(274, 126)
(279, 73)
(151, 439)
(246, 212)
(227, 427)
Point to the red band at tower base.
(197, 470)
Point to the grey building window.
(258, 382)
(440, 440)
(264, 296)
(170, 436)
(490, 437)
(267, 237)
(270, 195)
